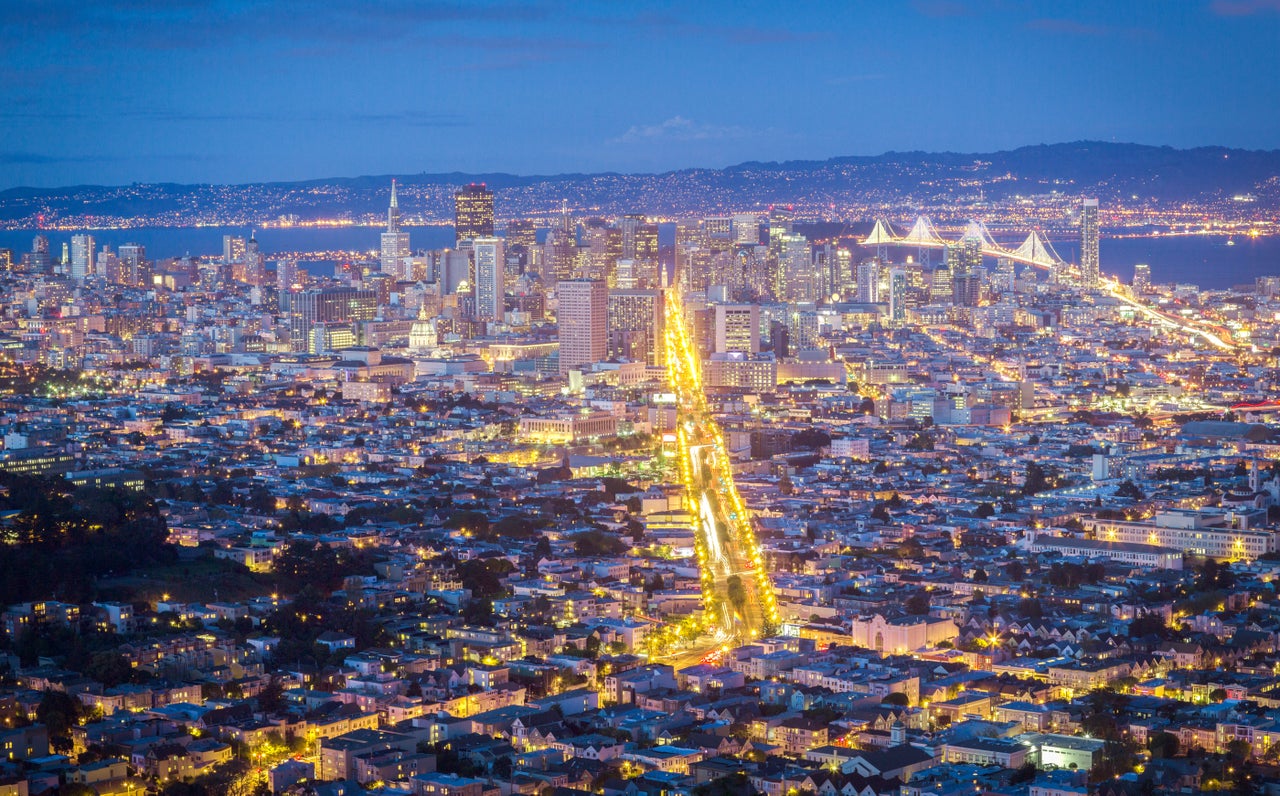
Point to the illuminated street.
(737, 591)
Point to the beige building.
(1213, 533)
(903, 634)
(749, 372)
(582, 318)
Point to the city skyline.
(284, 96)
(930, 473)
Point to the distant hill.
(849, 187)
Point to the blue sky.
(116, 91)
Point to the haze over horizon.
(230, 91)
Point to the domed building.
(423, 335)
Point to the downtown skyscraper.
(1089, 243)
(83, 253)
(583, 322)
(473, 212)
(395, 244)
(637, 323)
(490, 264)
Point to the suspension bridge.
(1035, 250)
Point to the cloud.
(1244, 8)
(679, 128)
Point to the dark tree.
(1128, 489)
(59, 711)
(1036, 479)
(109, 668)
(918, 604)
(1163, 745)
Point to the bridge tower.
(881, 237)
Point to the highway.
(1217, 336)
(1034, 251)
(737, 591)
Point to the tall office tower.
(473, 212)
(780, 220)
(559, 254)
(868, 287)
(583, 323)
(82, 256)
(1006, 274)
(637, 324)
(649, 264)
(310, 309)
(691, 238)
(802, 330)
(964, 259)
(796, 275)
(232, 249)
(490, 285)
(521, 238)
(1142, 278)
(831, 269)
(627, 226)
(822, 255)
(395, 244)
(513, 269)
(737, 328)
(717, 227)
(133, 260)
(601, 246)
(1089, 243)
(6, 259)
(639, 242)
(255, 265)
(694, 268)
(611, 249)
(521, 232)
(40, 259)
(842, 276)
(897, 295)
(779, 226)
(624, 275)
(746, 229)
(754, 262)
(109, 266)
(966, 291)
(286, 275)
(724, 269)
(941, 288)
(454, 270)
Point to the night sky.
(116, 91)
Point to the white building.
(903, 634)
(490, 262)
